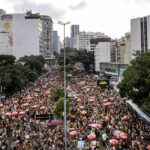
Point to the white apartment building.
(20, 35)
(102, 53)
(140, 34)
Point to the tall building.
(102, 53)
(114, 51)
(67, 42)
(74, 30)
(20, 35)
(47, 27)
(26, 34)
(140, 34)
(55, 39)
(74, 36)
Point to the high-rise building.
(20, 35)
(74, 30)
(26, 34)
(67, 42)
(47, 27)
(55, 41)
(140, 34)
(102, 52)
(74, 36)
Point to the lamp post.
(65, 118)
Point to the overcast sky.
(111, 17)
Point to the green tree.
(136, 80)
(34, 63)
(57, 93)
(60, 107)
(32, 76)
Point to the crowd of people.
(97, 118)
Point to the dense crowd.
(96, 121)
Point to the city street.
(95, 118)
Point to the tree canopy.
(136, 80)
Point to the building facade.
(102, 53)
(20, 35)
(55, 41)
(26, 34)
(47, 30)
(140, 34)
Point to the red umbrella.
(15, 102)
(73, 133)
(113, 142)
(125, 118)
(8, 114)
(34, 106)
(78, 100)
(36, 94)
(83, 113)
(26, 104)
(22, 113)
(107, 104)
(87, 90)
(91, 136)
(111, 98)
(105, 100)
(28, 97)
(36, 90)
(124, 136)
(47, 92)
(96, 126)
(91, 100)
(42, 108)
(117, 133)
(14, 113)
(148, 147)
(82, 107)
(1, 105)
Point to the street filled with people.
(98, 120)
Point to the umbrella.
(117, 133)
(82, 107)
(14, 113)
(1, 105)
(36, 94)
(107, 104)
(73, 133)
(8, 114)
(28, 97)
(78, 100)
(148, 147)
(15, 102)
(22, 113)
(111, 98)
(96, 126)
(36, 90)
(113, 142)
(47, 92)
(42, 108)
(105, 100)
(34, 106)
(91, 136)
(83, 113)
(56, 122)
(91, 100)
(125, 118)
(87, 90)
(124, 136)
(26, 104)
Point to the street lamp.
(65, 119)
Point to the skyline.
(113, 17)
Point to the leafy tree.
(57, 93)
(35, 63)
(6, 60)
(60, 107)
(136, 81)
(32, 76)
